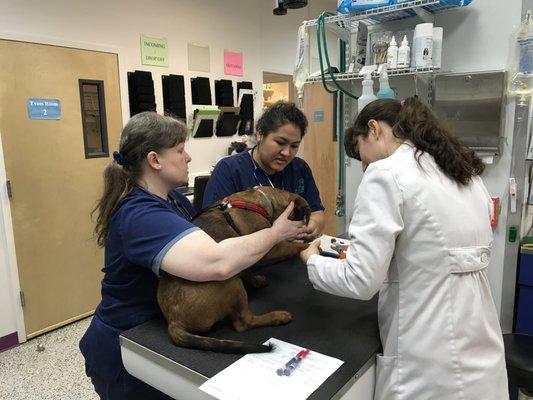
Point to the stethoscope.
(177, 205)
(170, 200)
(256, 169)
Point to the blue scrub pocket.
(101, 349)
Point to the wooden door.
(320, 150)
(54, 186)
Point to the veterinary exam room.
(266, 200)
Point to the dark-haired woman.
(421, 236)
(145, 226)
(272, 162)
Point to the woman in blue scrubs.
(145, 226)
(272, 162)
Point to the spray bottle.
(385, 92)
(367, 94)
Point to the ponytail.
(117, 185)
(414, 121)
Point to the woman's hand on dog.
(287, 229)
(314, 248)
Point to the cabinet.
(320, 150)
(524, 298)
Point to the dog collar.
(244, 205)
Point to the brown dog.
(194, 307)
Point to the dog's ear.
(302, 211)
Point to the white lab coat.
(424, 242)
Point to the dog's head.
(275, 201)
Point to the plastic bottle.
(368, 92)
(437, 47)
(423, 45)
(385, 92)
(404, 54)
(392, 54)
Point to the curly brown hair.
(416, 122)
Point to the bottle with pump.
(404, 54)
(385, 92)
(392, 54)
(368, 92)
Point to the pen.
(292, 363)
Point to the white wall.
(478, 38)
(278, 34)
(268, 43)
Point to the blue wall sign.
(44, 108)
(318, 116)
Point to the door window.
(93, 118)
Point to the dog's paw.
(282, 317)
(257, 281)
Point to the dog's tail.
(182, 338)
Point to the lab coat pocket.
(386, 378)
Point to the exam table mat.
(338, 327)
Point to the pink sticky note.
(232, 63)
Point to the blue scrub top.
(141, 231)
(238, 172)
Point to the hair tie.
(402, 103)
(118, 158)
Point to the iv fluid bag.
(301, 67)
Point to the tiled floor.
(55, 373)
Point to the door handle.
(8, 187)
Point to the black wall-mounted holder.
(174, 95)
(141, 92)
(201, 91)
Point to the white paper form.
(254, 375)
